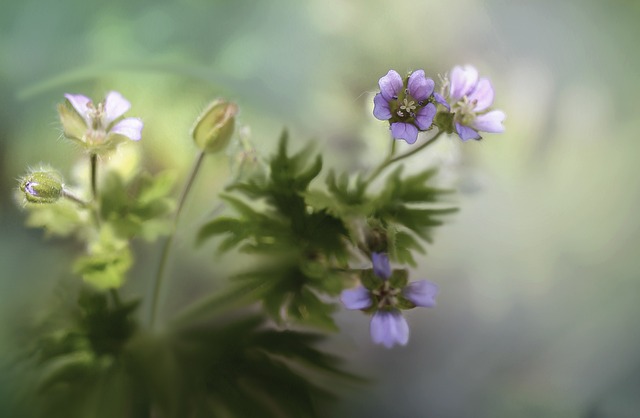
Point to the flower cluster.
(409, 104)
(385, 296)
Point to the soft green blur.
(537, 314)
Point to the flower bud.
(214, 127)
(42, 187)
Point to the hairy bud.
(42, 187)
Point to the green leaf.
(140, 208)
(62, 218)
(107, 263)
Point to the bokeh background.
(538, 313)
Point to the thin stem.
(94, 176)
(164, 256)
(391, 159)
(94, 189)
(75, 199)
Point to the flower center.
(387, 295)
(464, 110)
(96, 114)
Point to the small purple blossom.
(95, 125)
(468, 98)
(406, 104)
(421, 293)
(388, 327)
(381, 266)
(357, 298)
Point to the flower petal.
(483, 94)
(358, 298)
(463, 80)
(490, 122)
(129, 127)
(80, 104)
(421, 293)
(442, 101)
(406, 131)
(466, 133)
(390, 85)
(115, 105)
(381, 107)
(381, 266)
(389, 328)
(420, 87)
(424, 117)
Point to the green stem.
(391, 159)
(164, 256)
(95, 209)
(75, 199)
(94, 176)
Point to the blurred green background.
(538, 312)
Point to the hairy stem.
(164, 256)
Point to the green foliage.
(139, 208)
(62, 219)
(101, 364)
(79, 361)
(107, 262)
(302, 241)
(395, 203)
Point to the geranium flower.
(100, 125)
(468, 98)
(388, 327)
(406, 104)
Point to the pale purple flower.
(101, 122)
(381, 266)
(468, 98)
(358, 298)
(406, 104)
(388, 327)
(422, 293)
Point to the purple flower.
(468, 98)
(358, 298)
(381, 266)
(421, 293)
(388, 327)
(407, 104)
(98, 125)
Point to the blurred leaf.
(140, 208)
(107, 263)
(62, 218)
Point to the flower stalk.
(166, 248)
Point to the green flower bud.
(214, 127)
(42, 187)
